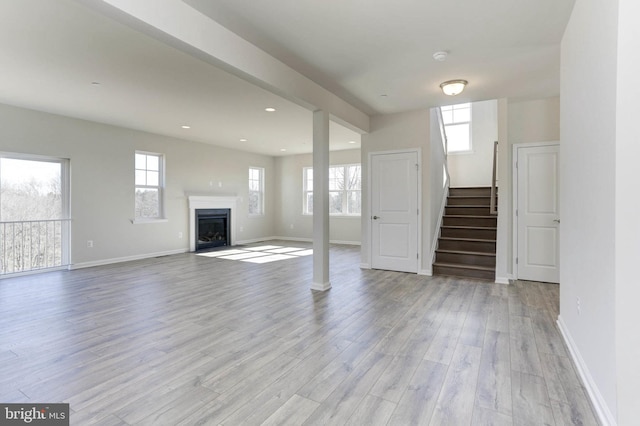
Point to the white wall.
(535, 120)
(627, 231)
(290, 222)
(475, 168)
(102, 179)
(528, 121)
(587, 195)
(400, 131)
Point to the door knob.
(375, 217)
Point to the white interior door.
(538, 257)
(394, 211)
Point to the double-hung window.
(149, 188)
(256, 191)
(345, 190)
(457, 124)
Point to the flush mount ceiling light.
(440, 56)
(453, 87)
(270, 109)
(185, 126)
(243, 140)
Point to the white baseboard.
(125, 259)
(346, 243)
(310, 240)
(365, 266)
(304, 240)
(426, 272)
(599, 404)
(256, 240)
(502, 280)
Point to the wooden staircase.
(467, 243)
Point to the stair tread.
(482, 216)
(468, 239)
(474, 253)
(464, 266)
(469, 227)
(468, 205)
(470, 196)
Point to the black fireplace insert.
(212, 228)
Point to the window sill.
(145, 221)
(470, 152)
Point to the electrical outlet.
(179, 234)
(578, 307)
(220, 184)
(89, 243)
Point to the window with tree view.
(34, 213)
(344, 190)
(256, 191)
(149, 186)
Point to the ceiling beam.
(176, 23)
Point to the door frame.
(514, 196)
(368, 219)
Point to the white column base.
(321, 287)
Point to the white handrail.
(443, 135)
(493, 208)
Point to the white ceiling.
(51, 52)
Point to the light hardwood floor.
(189, 340)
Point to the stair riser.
(465, 273)
(469, 201)
(466, 259)
(481, 246)
(479, 211)
(464, 221)
(483, 234)
(470, 191)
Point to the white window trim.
(261, 193)
(305, 190)
(161, 191)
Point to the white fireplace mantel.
(210, 202)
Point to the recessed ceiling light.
(243, 140)
(383, 95)
(270, 109)
(185, 126)
(352, 141)
(95, 83)
(283, 149)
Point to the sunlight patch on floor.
(260, 254)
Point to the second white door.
(538, 216)
(394, 211)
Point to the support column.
(320, 201)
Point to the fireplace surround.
(212, 202)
